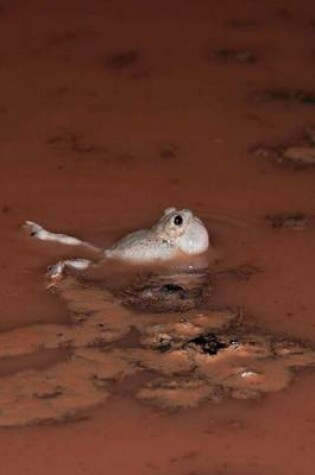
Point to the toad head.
(183, 230)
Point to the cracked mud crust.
(202, 354)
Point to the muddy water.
(111, 112)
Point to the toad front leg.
(55, 271)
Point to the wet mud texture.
(297, 155)
(294, 221)
(189, 356)
(287, 96)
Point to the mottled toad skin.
(178, 232)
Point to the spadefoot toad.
(177, 233)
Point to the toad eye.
(178, 220)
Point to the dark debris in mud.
(298, 154)
(241, 56)
(69, 36)
(244, 23)
(294, 221)
(286, 96)
(122, 60)
(75, 143)
(168, 150)
(49, 394)
(208, 343)
(5, 209)
(167, 293)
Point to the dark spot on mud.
(62, 90)
(75, 143)
(235, 55)
(49, 395)
(193, 454)
(164, 344)
(283, 13)
(168, 151)
(167, 293)
(5, 209)
(243, 23)
(171, 288)
(66, 37)
(141, 74)
(208, 344)
(122, 60)
(295, 221)
(254, 118)
(67, 419)
(174, 181)
(99, 343)
(125, 158)
(286, 96)
(309, 135)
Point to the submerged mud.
(192, 355)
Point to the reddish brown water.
(112, 111)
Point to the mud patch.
(209, 344)
(294, 221)
(122, 60)
(127, 62)
(241, 56)
(286, 96)
(168, 150)
(202, 354)
(244, 23)
(241, 368)
(177, 292)
(298, 154)
(75, 143)
(242, 273)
